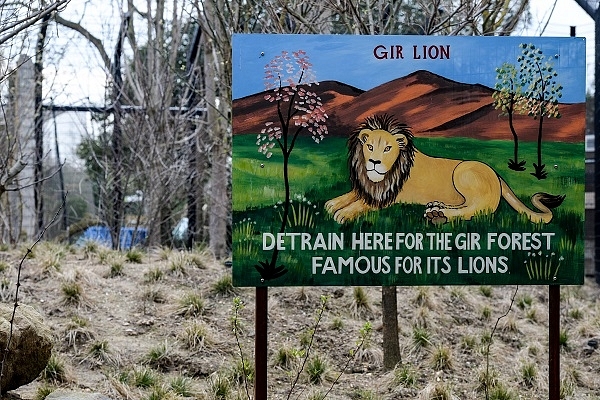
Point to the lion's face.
(380, 150)
(380, 157)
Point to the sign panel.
(407, 160)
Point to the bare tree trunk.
(38, 197)
(117, 194)
(217, 87)
(192, 181)
(218, 180)
(391, 346)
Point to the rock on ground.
(30, 346)
(70, 395)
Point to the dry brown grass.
(132, 315)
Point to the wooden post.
(554, 346)
(391, 347)
(260, 343)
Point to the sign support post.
(554, 345)
(260, 343)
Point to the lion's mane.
(380, 194)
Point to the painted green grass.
(261, 178)
(318, 173)
(314, 167)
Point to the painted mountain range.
(431, 104)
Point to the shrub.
(134, 256)
(159, 356)
(154, 275)
(486, 291)
(316, 368)
(487, 379)
(177, 266)
(78, 331)
(43, 391)
(182, 386)
(486, 313)
(337, 324)
(242, 371)
(421, 337)
(100, 351)
(72, 293)
(500, 392)
(191, 305)
(4, 266)
(404, 375)
(528, 373)
(194, 336)
(219, 387)
(563, 339)
(422, 299)
(510, 324)
(144, 378)
(576, 313)
(441, 358)
(160, 393)
(360, 302)
(286, 357)
(524, 301)
(116, 269)
(224, 286)
(55, 371)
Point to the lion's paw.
(434, 213)
(330, 206)
(342, 216)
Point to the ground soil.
(132, 318)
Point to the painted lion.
(386, 168)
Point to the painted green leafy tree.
(541, 93)
(288, 80)
(507, 96)
(531, 89)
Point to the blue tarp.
(101, 235)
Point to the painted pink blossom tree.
(288, 80)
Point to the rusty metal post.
(260, 343)
(554, 346)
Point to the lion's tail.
(542, 201)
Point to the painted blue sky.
(350, 59)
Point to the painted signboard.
(407, 160)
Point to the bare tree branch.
(20, 25)
(86, 34)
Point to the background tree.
(20, 23)
(424, 17)
(147, 151)
(541, 93)
(507, 95)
